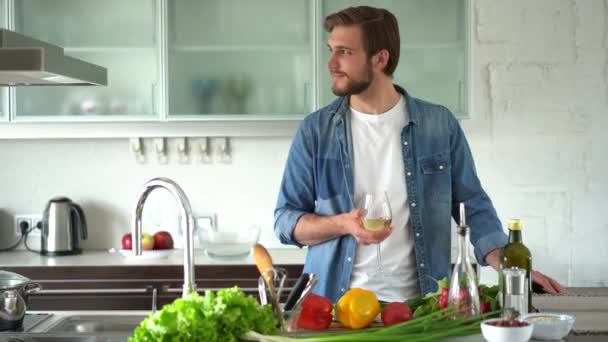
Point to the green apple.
(147, 242)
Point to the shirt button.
(422, 265)
(417, 234)
(349, 259)
(342, 289)
(440, 167)
(405, 143)
(409, 173)
(413, 204)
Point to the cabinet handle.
(461, 99)
(154, 300)
(306, 103)
(153, 102)
(95, 291)
(168, 289)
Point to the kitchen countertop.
(22, 258)
(589, 305)
(56, 316)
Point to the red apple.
(127, 241)
(163, 240)
(147, 242)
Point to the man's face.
(350, 68)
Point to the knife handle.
(296, 291)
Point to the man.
(376, 136)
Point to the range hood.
(25, 61)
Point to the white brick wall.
(541, 118)
(539, 134)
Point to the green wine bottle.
(516, 254)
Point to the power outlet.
(32, 220)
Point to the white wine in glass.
(376, 224)
(377, 216)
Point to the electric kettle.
(63, 225)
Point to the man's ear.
(380, 59)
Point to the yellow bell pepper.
(358, 308)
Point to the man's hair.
(379, 30)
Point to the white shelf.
(109, 49)
(224, 127)
(430, 46)
(298, 48)
(241, 48)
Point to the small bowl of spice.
(550, 326)
(506, 330)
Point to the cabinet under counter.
(136, 287)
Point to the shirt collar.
(341, 106)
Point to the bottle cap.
(515, 224)
(462, 226)
(463, 216)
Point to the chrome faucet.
(187, 225)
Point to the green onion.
(424, 329)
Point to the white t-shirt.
(378, 166)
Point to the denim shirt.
(439, 174)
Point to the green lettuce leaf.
(222, 316)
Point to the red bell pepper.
(315, 313)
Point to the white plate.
(147, 255)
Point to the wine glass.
(377, 216)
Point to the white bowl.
(555, 329)
(493, 333)
(154, 254)
(228, 244)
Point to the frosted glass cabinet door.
(3, 105)
(3, 90)
(432, 62)
(118, 35)
(239, 57)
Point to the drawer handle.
(168, 289)
(95, 291)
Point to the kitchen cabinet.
(132, 287)
(240, 57)
(3, 107)
(3, 91)
(218, 67)
(119, 35)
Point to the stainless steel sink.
(58, 338)
(30, 338)
(95, 324)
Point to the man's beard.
(354, 87)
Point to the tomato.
(396, 312)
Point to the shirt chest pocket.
(435, 165)
(437, 181)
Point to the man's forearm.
(312, 229)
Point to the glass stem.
(379, 257)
